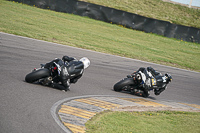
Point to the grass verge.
(156, 9)
(95, 35)
(144, 122)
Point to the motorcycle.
(59, 73)
(132, 85)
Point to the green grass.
(157, 9)
(95, 35)
(144, 122)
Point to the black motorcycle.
(135, 85)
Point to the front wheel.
(36, 75)
(123, 83)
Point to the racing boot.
(64, 78)
(145, 92)
(66, 85)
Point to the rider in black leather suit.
(151, 79)
(71, 70)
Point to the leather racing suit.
(152, 80)
(71, 70)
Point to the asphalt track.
(31, 108)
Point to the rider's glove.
(158, 91)
(73, 80)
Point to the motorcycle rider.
(149, 79)
(71, 70)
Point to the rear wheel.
(123, 83)
(36, 75)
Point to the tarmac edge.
(63, 107)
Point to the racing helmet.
(86, 62)
(168, 77)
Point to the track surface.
(25, 108)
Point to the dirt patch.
(151, 108)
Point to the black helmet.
(168, 77)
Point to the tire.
(124, 82)
(36, 75)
